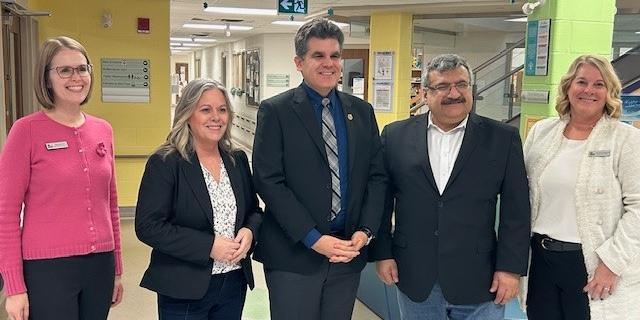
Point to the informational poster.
(383, 66)
(537, 54)
(382, 96)
(383, 81)
(125, 80)
(631, 110)
(358, 86)
(529, 122)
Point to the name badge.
(600, 153)
(56, 145)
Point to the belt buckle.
(542, 243)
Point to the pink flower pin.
(101, 150)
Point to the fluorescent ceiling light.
(288, 23)
(192, 39)
(521, 19)
(215, 26)
(245, 11)
(300, 23)
(637, 32)
(339, 24)
(187, 44)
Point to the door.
(11, 35)
(355, 72)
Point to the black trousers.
(70, 288)
(556, 280)
(328, 294)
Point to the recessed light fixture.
(244, 11)
(215, 26)
(521, 19)
(203, 40)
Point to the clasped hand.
(337, 250)
(232, 250)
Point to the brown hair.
(180, 139)
(51, 47)
(613, 104)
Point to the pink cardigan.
(65, 178)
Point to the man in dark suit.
(447, 168)
(317, 164)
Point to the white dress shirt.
(443, 148)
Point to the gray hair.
(320, 28)
(443, 63)
(180, 139)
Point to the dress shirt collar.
(461, 126)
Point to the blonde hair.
(42, 86)
(180, 139)
(613, 103)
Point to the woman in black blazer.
(199, 212)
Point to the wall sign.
(535, 96)
(277, 80)
(537, 55)
(125, 80)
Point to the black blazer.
(174, 216)
(451, 238)
(291, 174)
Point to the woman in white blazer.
(584, 175)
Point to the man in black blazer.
(317, 164)
(447, 168)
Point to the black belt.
(552, 244)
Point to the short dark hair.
(320, 28)
(443, 63)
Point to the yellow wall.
(392, 31)
(138, 127)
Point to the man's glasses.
(83, 70)
(445, 88)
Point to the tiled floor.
(140, 304)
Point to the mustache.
(448, 101)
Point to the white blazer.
(607, 199)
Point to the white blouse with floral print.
(223, 202)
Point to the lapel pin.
(349, 116)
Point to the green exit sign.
(292, 6)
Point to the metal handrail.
(499, 55)
(417, 107)
(502, 78)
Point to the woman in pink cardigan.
(61, 258)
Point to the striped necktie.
(331, 147)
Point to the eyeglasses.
(445, 88)
(83, 70)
